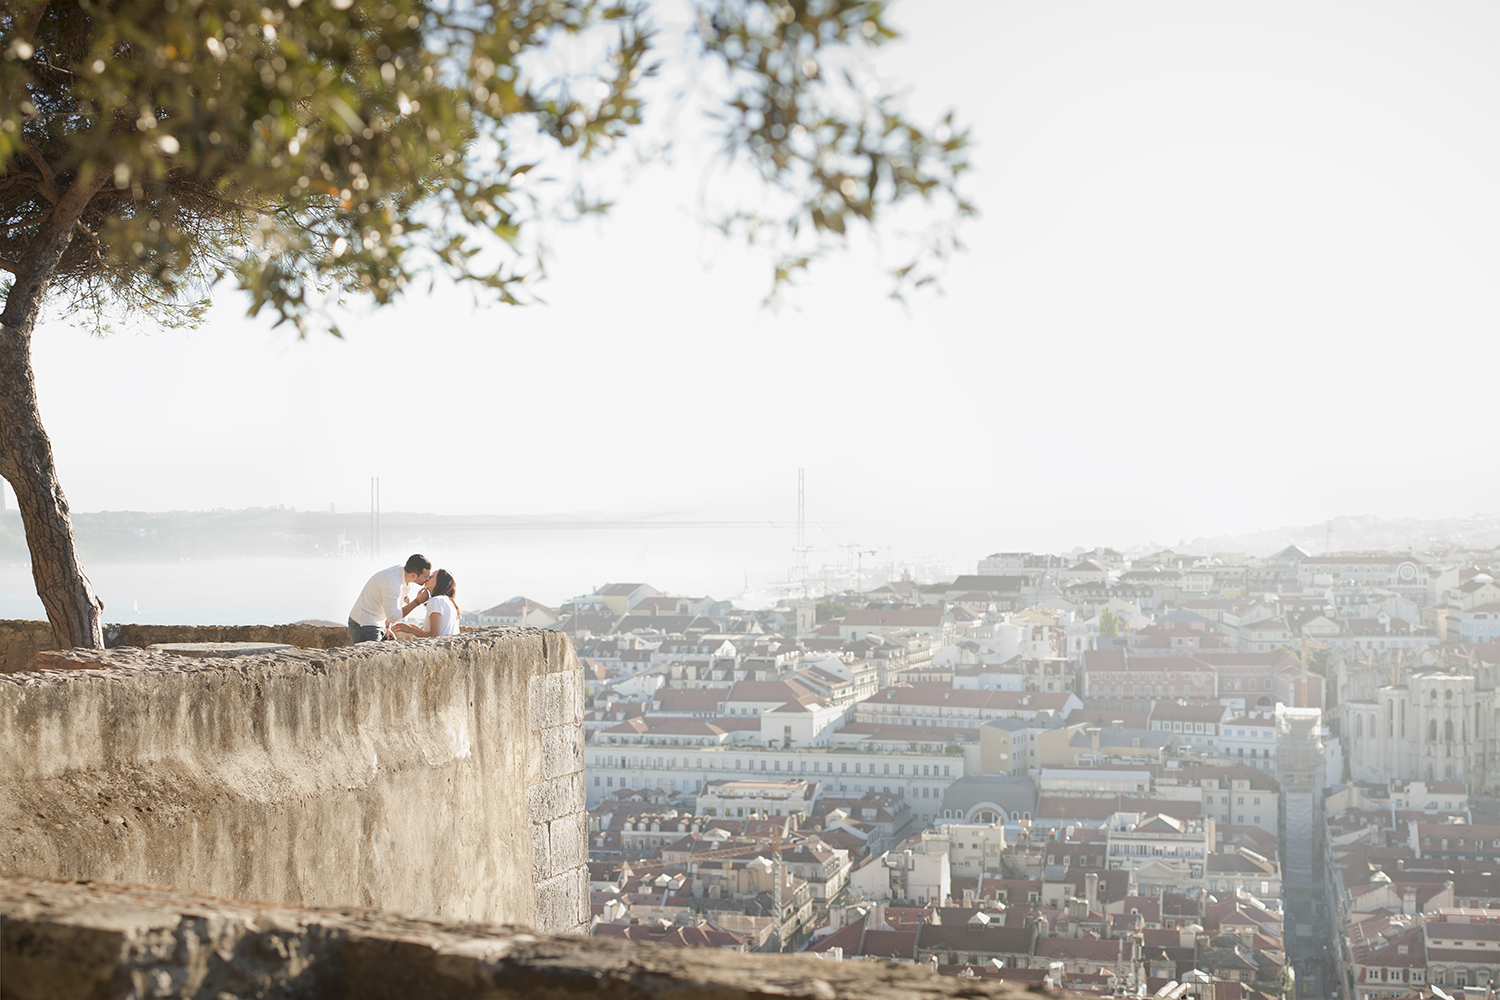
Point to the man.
(379, 603)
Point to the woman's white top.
(447, 613)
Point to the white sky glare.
(1235, 269)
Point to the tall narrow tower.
(799, 566)
(806, 610)
(802, 510)
(375, 516)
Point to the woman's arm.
(430, 632)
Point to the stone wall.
(60, 939)
(20, 641)
(442, 778)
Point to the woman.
(442, 609)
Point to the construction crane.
(859, 564)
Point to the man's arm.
(391, 599)
(422, 598)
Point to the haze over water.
(549, 567)
(748, 564)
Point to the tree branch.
(15, 177)
(48, 188)
(25, 296)
(93, 239)
(27, 222)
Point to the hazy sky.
(1236, 268)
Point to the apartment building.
(918, 778)
(936, 705)
(749, 797)
(1161, 851)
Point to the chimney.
(1409, 900)
(1091, 889)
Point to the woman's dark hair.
(443, 585)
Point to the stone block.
(568, 843)
(541, 852)
(573, 697)
(562, 902)
(549, 704)
(562, 750)
(555, 798)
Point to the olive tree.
(311, 150)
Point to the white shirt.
(380, 602)
(447, 613)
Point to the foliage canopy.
(318, 148)
(311, 149)
(1109, 623)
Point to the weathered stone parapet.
(305, 636)
(442, 778)
(62, 939)
(20, 641)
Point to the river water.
(739, 564)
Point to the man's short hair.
(417, 563)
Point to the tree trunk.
(25, 452)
